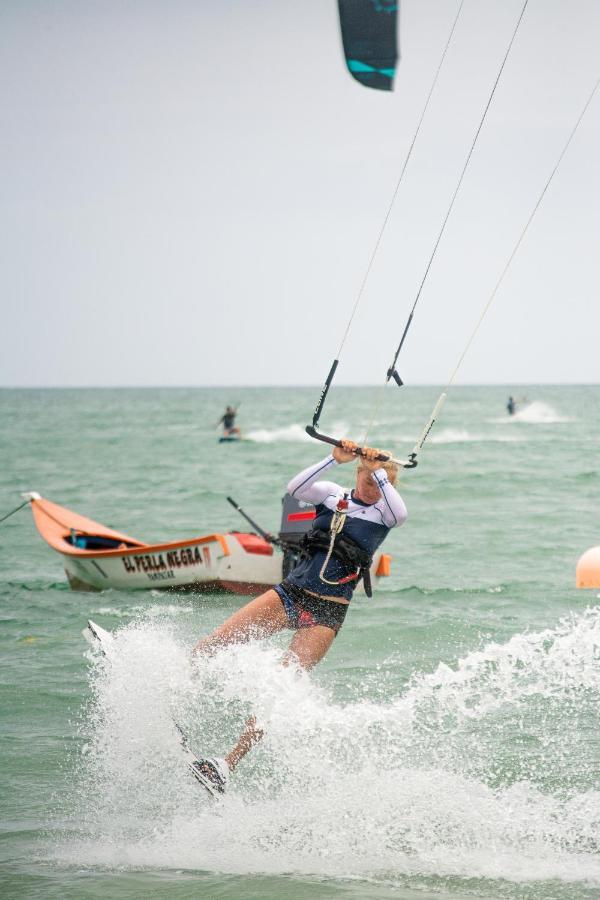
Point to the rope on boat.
(12, 512)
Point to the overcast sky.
(191, 190)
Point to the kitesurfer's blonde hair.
(392, 468)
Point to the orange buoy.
(588, 569)
(385, 565)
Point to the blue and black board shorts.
(303, 610)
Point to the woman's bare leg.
(262, 616)
(308, 647)
(250, 736)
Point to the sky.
(191, 192)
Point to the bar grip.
(312, 431)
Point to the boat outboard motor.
(297, 517)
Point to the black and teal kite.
(370, 43)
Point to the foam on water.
(535, 413)
(539, 413)
(157, 610)
(291, 433)
(454, 777)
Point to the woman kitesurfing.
(314, 597)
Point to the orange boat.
(98, 558)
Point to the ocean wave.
(293, 433)
(462, 436)
(288, 433)
(35, 586)
(428, 592)
(552, 662)
(155, 610)
(418, 785)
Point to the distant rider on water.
(230, 429)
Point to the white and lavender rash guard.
(366, 523)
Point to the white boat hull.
(216, 565)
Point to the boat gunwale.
(144, 548)
(57, 538)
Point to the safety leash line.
(338, 520)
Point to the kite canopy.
(369, 38)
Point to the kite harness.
(341, 546)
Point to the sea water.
(448, 745)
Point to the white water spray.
(477, 770)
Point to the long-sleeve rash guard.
(366, 523)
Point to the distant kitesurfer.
(511, 406)
(227, 420)
(313, 599)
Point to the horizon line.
(136, 387)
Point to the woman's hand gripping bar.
(410, 463)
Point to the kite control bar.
(311, 430)
(359, 451)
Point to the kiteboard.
(103, 641)
(99, 638)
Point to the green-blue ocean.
(448, 746)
